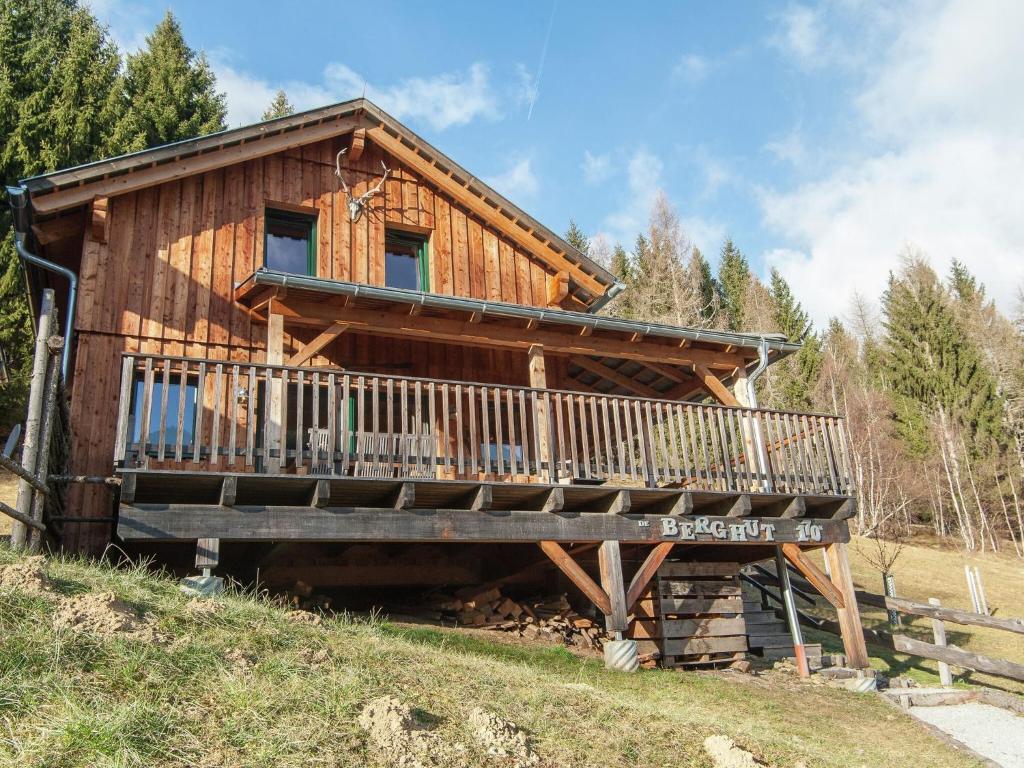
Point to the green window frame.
(275, 217)
(419, 245)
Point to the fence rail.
(229, 416)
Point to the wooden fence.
(254, 417)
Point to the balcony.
(214, 416)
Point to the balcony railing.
(215, 415)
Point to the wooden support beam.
(355, 150)
(405, 497)
(207, 553)
(714, 385)
(100, 219)
(321, 494)
(382, 323)
(849, 614)
(609, 557)
(73, 196)
(322, 339)
(795, 507)
(577, 575)
(677, 506)
(617, 503)
(557, 288)
(813, 574)
(552, 500)
(733, 506)
(648, 568)
(275, 356)
(602, 370)
(228, 490)
(127, 495)
(670, 373)
(55, 230)
(480, 499)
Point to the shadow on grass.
(556, 659)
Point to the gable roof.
(73, 187)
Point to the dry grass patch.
(243, 685)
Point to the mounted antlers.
(356, 204)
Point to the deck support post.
(849, 614)
(275, 356)
(609, 558)
(539, 380)
(791, 615)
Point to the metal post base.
(621, 655)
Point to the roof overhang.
(658, 360)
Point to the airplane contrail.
(540, 67)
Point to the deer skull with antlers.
(357, 204)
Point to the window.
(152, 432)
(290, 244)
(405, 261)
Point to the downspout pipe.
(19, 209)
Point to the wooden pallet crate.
(692, 615)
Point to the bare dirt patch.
(725, 754)
(502, 738)
(402, 742)
(102, 614)
(26, 575)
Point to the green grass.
(73, 700)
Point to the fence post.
(979, 589)
(55, 346)
(889, 584)
(33, 421)
(972, 589)
(939, 632)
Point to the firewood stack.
(550, 618)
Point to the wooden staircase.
(768, 634)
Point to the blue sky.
(824, 138)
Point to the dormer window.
(290, 242)
(406, 264)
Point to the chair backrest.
(318, 442)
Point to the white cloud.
(643, 181)
(942, 171)
(691, 68)
(800, 34)
(596, 168)
(518, 181)
(790, 148)
(442, 101)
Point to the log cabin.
(320, 330)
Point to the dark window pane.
(401, 270)
(288, 243)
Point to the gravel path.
(996, 733)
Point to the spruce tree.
(577, 238)
(621, 305)
(699, 273)
(795, 377)
(279, 107)
(57, 103)
(931, 363)
(170, 93)
(734, 280)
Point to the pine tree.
(699, 273)
(57, 103)
(932, 364)
(279, 107)
(577, 238)
(170, 92)
(796, 377)
(621, 305)
(734, 279)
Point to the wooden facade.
(304, 377)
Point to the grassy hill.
(158, 679)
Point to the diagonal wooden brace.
(813, 574)
(579, 577)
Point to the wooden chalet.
(321, 329)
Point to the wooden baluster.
(668, 424)
(197, 430)
(595, 433)
(828, 455)
(776, 465)
(730, 478)
(549, 437)
(417, 427)
(524, 433)
(300, 419)
(346, 444)
(570, 414)
(786, 442)
(215, 425)
(839, 428)
(376, 448)
(389, 415)
(446, 421)
(797, 443)
(250, 423)
(232, 406)
(499, 439)
(643, 429)
(123, 406)
(147, 411)
(162, 434)
(282, 420)
(653, 471)
(460, 450)
(332, 420)
(607, 439)
(473, 442)
(510, 415)
(584, 437)
(670, 461)
(485, 426)
(406, 430)
(432, 420)
(179, 438)
(688, 469)
(538, 436)
(810, 443)
(620, 447)
(269, 436)
(359, 431)
(744, 473)
(627, 417)
(704, 440)
(687, 435)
